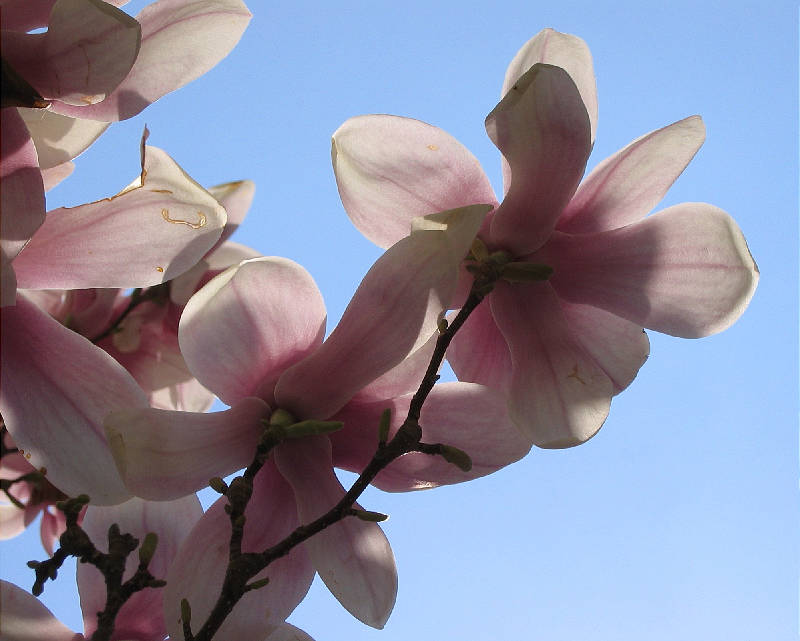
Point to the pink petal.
(199, 568)
(180, 42)
(53, 176)
(188, 396)
(236, 197)
(352, 557)
(559, 396)
(164, 455)
(56, 390)
(87, 50)
(147, 234)
(470, 417)
(141, 617)
(478, 352)
(288, 632)
(8, 280)
(390, 170)
(58, 138)
(394, 312)
(25, 618)
(542, 129)
(625, 187)
(26, 15)
(247, 325)
(685, 271)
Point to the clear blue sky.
(679, 519)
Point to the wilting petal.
(559, 397)
(164, 455)
(352, 557)
(393, 313)
(58, 138)
(249, 324)
(391, 169)
(471, 417)
(478, 352)
(87, 50)
(25, 618)
(625, 187)
(560, 50)
(56, 390)
(22, 193)
(685, 271)
(180, 42)
(53, 176)
(141, 617)
(153, 231)
(542, 129)
(198, 571)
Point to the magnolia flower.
(559, 350)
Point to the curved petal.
(559, 396)
(471, 417)
(390, 170)
(171, 32)
(151, 232)
(247, 325)
(141, 616)
(625, 187)
(58, 138)
(352, 557)
(393, 313)
(618, 346)
(87, 50)
(199, 568)
(56, 390)
(478, 352)
(164, 455)
(542, 129)
(685, 271)
(236, 197)
(25, 618)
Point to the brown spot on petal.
(160, 269)
(201, 220)
(433, 147)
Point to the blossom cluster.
(123, 319)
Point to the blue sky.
(679, 519)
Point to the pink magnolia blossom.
(559, 350)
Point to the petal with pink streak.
(25, 618)
(154, 230)
(625, 187)
(542, 129)
(86, 52)
(685, 271)
(141, 617)
(392, 314)
(58, 138)
(180, 42)
(618, 346)
(199, 568)
(57, 388)
(22, 193)
(390, 170)
(247, 325)
(352, 557)
(468, 416)
(478, 352)
(164, 455)
(559, 396)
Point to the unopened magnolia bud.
(313, 428)
(218, 485)
(186, 612)
(442, 325)
(457, 457)
(383, 426)
(256, 584)
(148, 548)
(525, 272)
(367, 515)
(281, 418)
(478, 250)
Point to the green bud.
(218, 485)
(383, 426)
(148, 548)
(281, 418)
(457, 457)
(478, 250)
(313, 428)
(368, 516)
(525, 272)
(442, 325)
(186, 612)
(255, 585)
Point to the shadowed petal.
(58, 138)
(56, 389)
(625, 187)
(685, 271)
(391, 169)
(247, 325)
(542, 129)
(559, 396)
(352, 557)
(25, 618)
(164, 455)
